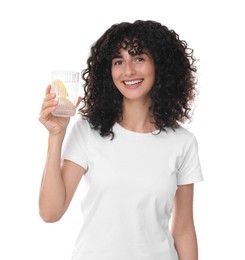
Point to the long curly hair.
(174, 88)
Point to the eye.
(140, 59)
(117, 62)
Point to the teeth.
(132, 82)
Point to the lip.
(132, 84)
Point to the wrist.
(56, 139)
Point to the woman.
(139, 164)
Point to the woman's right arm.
(60, 178)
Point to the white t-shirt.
(130, 185)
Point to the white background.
(38, 37)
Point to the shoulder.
(78, 128)
(181, 140)
(181, 134)
(82, 129)
(80, 124)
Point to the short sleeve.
(75, 145)
(190, 168)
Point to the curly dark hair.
(175, 80)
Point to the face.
(133, 75)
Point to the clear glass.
(65, 84)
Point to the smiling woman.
(138, 162)
(121, 53)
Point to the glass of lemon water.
(65, 84)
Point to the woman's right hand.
(55, 125)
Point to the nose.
(129, 69)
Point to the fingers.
(48, 100)
(48, 89)
(48, 105)
(48, 94)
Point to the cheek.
(114, 71)
(150, 71)
(115, 75)
(151, 74)
(114, 80)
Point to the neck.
(137, 116)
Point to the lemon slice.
(60, 88)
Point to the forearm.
(186, 245)
(52, 190)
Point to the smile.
(132, 83)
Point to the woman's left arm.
(182, 227)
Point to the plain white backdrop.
(40, 36)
